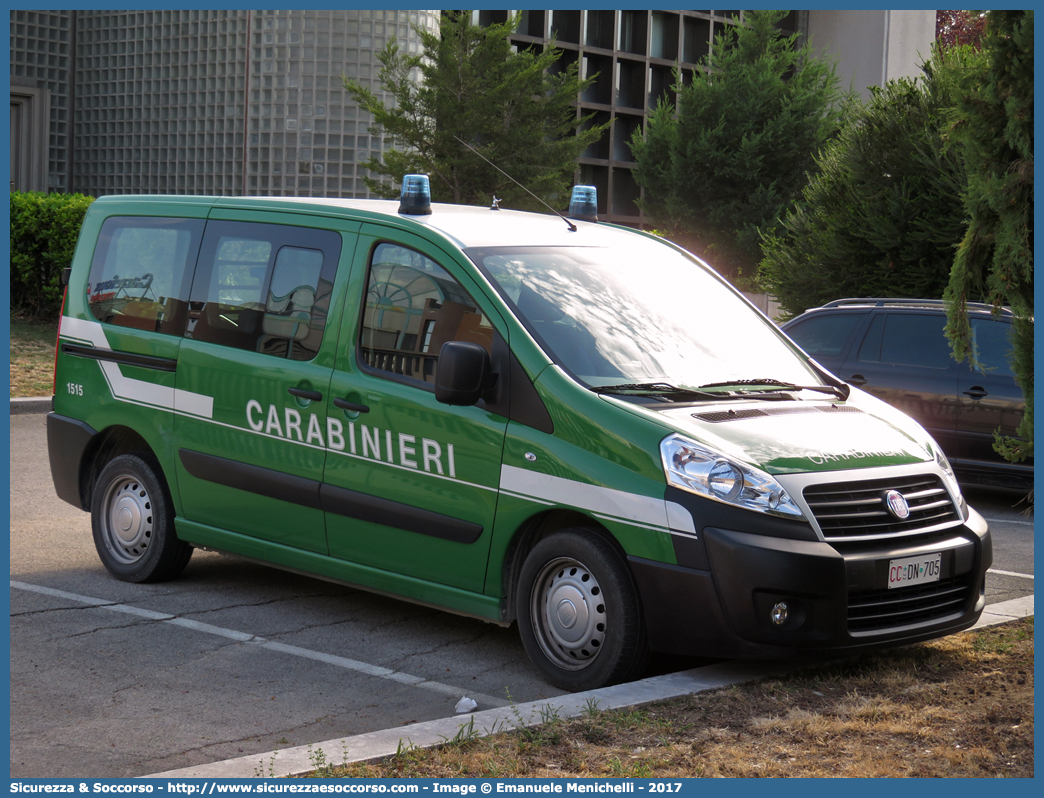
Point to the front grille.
(878, 610)
(850, 511)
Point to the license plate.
(914, 570)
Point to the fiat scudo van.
(518, 417)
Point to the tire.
(133, 522)
(578, 612)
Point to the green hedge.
(44, 228)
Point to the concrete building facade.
(251, 102)
(202, 102)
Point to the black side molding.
(329, 498)
(123, 358)
(364, 507)
(251, 478)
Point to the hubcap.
(128, 520)
(569, 613)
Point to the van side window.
(141, 272)
(264, 288)
(413, 306)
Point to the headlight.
(947, 469)
(708, 473)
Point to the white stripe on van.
(127, 389)
(606, 502)
(679, 518)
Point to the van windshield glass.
(644, 314)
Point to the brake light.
(57, 343)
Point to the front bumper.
(838, 597)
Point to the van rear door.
(255, 339)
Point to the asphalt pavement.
(235, 660)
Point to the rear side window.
(991, 343)
(825, 336)
(907, 340)
(142, 270)
(264, 288)
(413, 306)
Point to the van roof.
(474, 226)
(464, 225)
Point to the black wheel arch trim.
(328, 498)
(67, 441)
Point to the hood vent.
(754, 412)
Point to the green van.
(511, 416)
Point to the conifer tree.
(994, 124)
(722, 163)
(516, 108)
(882, 213)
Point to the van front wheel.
(578, 612)
(133, 522)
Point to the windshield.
(642, 314)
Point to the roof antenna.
(572, 226)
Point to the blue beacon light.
(415, 197)
(584, 203)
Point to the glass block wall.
(306, 136)
(208, 102)
(41, 52)
(160, 102)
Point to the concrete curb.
(372, 745)
(1006, 611)
(30, 404)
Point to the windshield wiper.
(840, 391)
(664, 390)
(656, 389)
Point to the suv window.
(991, 343)
(907, 339)
(264, 288)
(825, 336)
(140, 273)
(413, 306)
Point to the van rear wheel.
(132, 519)
(578, 612)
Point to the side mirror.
(463, 373)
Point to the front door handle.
(858, 380)
(301, 393)
(344, 404)
(976, 392)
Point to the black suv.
(896, 350)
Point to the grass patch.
(957, 707)
(32, 357)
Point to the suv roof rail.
(885, 301)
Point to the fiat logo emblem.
(897, 504)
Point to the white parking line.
(244, 637)
(1008, 573)
(1008, 521)
(300, 760)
